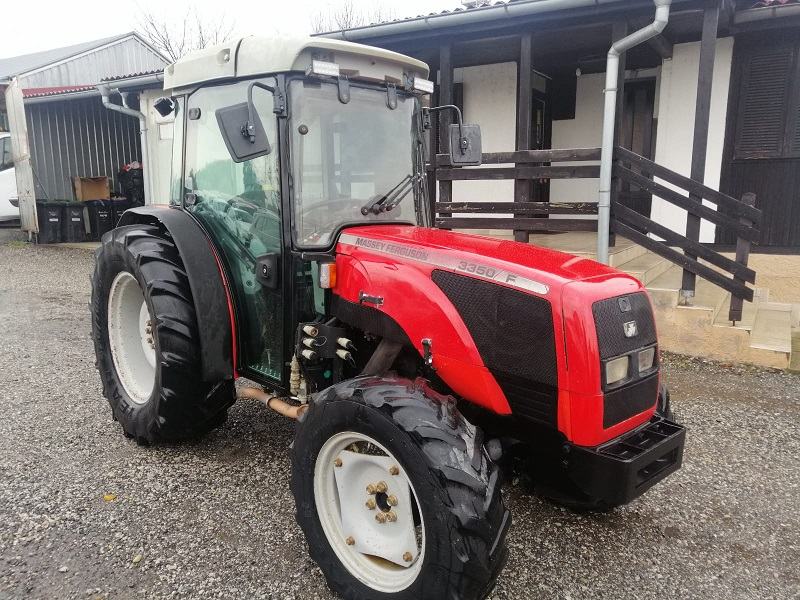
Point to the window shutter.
(796, 139)
(763, 110)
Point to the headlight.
(646, 358)
(617, 370)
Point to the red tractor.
(297, 252)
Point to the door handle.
(267, 272)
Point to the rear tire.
(455, 485)
(171, 402)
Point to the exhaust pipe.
(279, 405)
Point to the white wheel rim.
(388, 556)
(131, 338)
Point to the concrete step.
(794, 363)
(772, 327)
(667, 287)
(701, 328)
(646, 267)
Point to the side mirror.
(242, 129)
(465, 145)
(244, 139)
(465, 140)
(165, 106)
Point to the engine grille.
(513, 332)
(610, 318)
(630, 400)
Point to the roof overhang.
(511, 11)
(252, 56)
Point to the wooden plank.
(445, 116)
(532, 156)
(522, 186)
(715, 277)
(695, 207)
(631, 217)
(532, 224)
(708, 45)
(733, 205)
(445, 96)
(520, 208)
(493, 173)
(742, 256)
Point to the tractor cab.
(279, 146)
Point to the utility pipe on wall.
(105, 92)
(609, 118)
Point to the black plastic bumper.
(624, 468)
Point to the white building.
(752, 127)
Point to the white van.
(9, 203)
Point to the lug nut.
(392, 500)
(371, 504)
(337, 462)
(407, 556)
(391, 516)
(380, 517)
(394, 470)
(350, 541)
(371, 488)
(381, 487)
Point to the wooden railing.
(530, 165)
(738, 216)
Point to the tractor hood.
(538, 270)
(507, 325)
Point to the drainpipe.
(609, 117)
(125, 109)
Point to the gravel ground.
(85, 513)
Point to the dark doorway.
(541, 130)
(638, 135)
(762, 141)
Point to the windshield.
(357, 162)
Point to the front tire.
(146, 339)
(394, 431)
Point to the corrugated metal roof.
(132, 75)
(17, 65)
(55, 91)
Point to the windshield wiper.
(391, 198)
(398, 197)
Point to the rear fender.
(206, 280)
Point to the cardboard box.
(91, 188)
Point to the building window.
(768, 119)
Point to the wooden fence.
(737, 215)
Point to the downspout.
(609, 118)
(105, 91)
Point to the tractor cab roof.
(253, 56)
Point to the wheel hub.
(131, 338)
(366, 506)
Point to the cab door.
(239, 204)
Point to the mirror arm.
(462, 140)
(249, 128)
